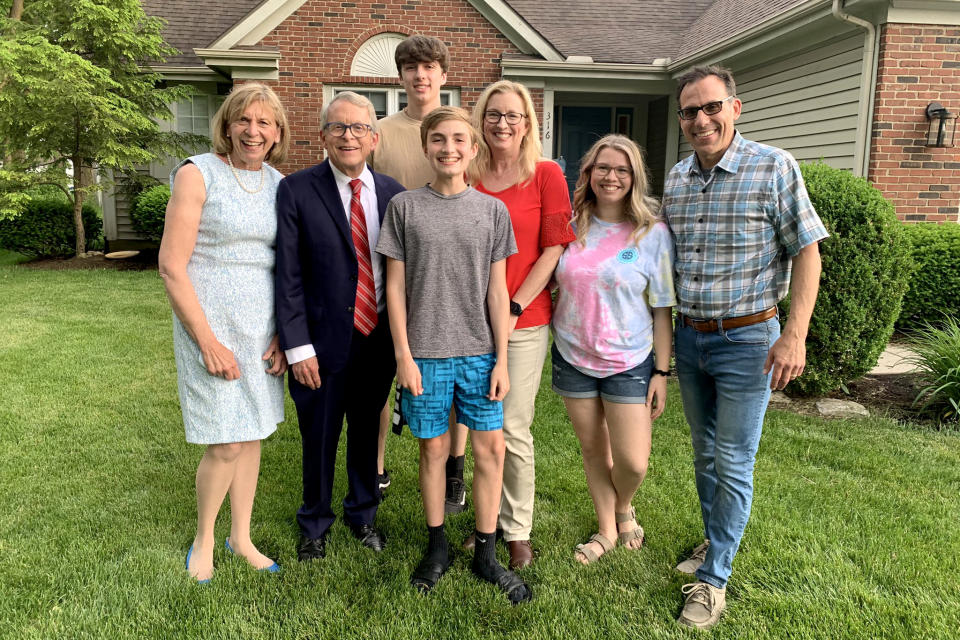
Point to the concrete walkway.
(894, 360)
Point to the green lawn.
(854, 531)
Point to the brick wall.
(317, 44)
(919, 64)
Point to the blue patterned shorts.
(462, 382)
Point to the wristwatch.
(660, 372)
(515, 309)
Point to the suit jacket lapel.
(326, 187)
(383, 198)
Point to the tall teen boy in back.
(446, 246)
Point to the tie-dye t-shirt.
(602, 323)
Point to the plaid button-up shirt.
(736, 229)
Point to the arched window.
(375, 56)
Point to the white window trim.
(393, 94)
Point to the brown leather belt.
(731, 323)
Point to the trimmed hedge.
(866, 266)
(45, 229)
(149, 210)
(934, 291)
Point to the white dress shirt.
(368, 198)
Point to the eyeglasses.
(603, 170)
(512, 117)
(339, 129)
(710, 109)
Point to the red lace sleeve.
(555, 202)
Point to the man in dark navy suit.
(332, 320)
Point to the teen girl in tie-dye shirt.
(612, 333)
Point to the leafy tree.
(76, 90)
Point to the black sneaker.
(383, 480)
(456, 500)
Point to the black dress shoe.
(311, 548)
(369, 536)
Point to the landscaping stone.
(780, 398)
(832, 408)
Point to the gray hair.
(354, 99)
(698, 73)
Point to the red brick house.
(847, 82)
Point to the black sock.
(437, 543)
(455, 466)
(485, 551)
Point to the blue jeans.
(725, 395)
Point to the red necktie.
(365, 308)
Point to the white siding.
(805, 102)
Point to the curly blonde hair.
(530, 148)
(639, 207)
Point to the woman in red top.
(509, 166)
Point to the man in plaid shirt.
(741, 218)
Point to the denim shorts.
(628, 387)
(462, 382)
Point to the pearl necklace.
(236, 175)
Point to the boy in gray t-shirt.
(446, 247)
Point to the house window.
(388, 101)
(195, 113)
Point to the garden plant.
(149, 210)
(934, 290)
(937, 356)
(866, 267)
(45, 228)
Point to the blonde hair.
(639, 207)
(530, 148)
(442, 114)
(233, 107)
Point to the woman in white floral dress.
(217, 260)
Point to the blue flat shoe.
(271, 569)
(187, 565)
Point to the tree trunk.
(16, 10)
(79, 190)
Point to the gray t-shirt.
(447, 244)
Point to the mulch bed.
(145, 261)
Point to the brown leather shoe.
(521, 554)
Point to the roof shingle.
(195, 24)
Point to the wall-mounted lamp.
(943, 125)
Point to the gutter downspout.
(868, 83)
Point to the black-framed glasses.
(603, 170)
(512, 117)
(710, 108)
(339, 129)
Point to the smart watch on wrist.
(515, 309)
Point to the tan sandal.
(634, 534)
(589, 554)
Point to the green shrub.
(937, 356)
(934, 291)
(45, 229)
(148, 212)
(866, 266)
